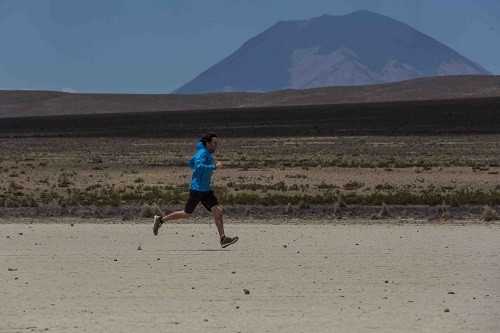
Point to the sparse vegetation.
(146, 211)
(453, 202)
(336, 207)
(351, 186)
(9, 203)
(489, 214)
(384, 210)
(341, 203)
(149, 211)
(338, 167)
(302, 204)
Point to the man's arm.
(201, 163)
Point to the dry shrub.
(9, 203)
(445, 213)
(384, 211)
(336, 207)
(150, 210)
(146, 211)
(25, 202)
(157, 211)
(28, 202)
(454, 202)
(443, 209)
(489, 214)
(303, 205)
(33, 202)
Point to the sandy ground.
(301, 278)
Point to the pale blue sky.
(122, 46)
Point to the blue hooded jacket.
(202, 165)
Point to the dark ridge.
(459, 116)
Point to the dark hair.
(207, 138)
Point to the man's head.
(210, 141)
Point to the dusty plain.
(85, 277)
(78, 252)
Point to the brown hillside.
(44, 103)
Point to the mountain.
(48, 103)
(360, 48)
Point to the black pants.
(208, 199)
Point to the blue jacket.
(202, 165)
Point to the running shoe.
(228, 241)
(157, 224)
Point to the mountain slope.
(46, 103)
(355, 49)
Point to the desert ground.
(365, 233)
(74, 275)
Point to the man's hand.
(218, 165)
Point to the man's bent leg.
(192, 202)
(176, 215)
(158, 220)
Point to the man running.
(200, 191)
